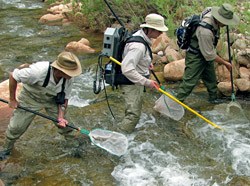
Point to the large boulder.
(5, 111)
(243, 57)
(245, 73)
(79, 47)
(174, 71)
(51, 19)
(243, 84)
(172, 55)
(226, 88)
(160, 43)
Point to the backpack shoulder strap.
(46, 81)
(63, 85)
(207, 25)
(140, 39)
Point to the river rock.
(174, 71)
(243, 57)
(226, 88)
(58, 9)
(172, 55)
(245, 73)
(51, 19)
(222, 49)
(240, 44)
(5, 111)
(160, 43)
(243, 84)
(79, 47)
(84, 41)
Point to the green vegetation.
(134, 11)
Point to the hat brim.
(215, 13)
(71, 73)
(161, 29)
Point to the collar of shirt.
(143, 35)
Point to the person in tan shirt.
(201, 54)
(135, 66)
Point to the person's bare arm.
(61, 112)
(218, 59)
(12, 91)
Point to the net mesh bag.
(169, 108)
(114, 142)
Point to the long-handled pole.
(176, 100)
(40, 114)
(230, 61)
(113, 142)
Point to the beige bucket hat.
(68, 63)
(225, 14)
(155, 21)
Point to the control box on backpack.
(113, 45)
(110, 42)
(110, 48)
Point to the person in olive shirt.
(37, 95)
(201, 54)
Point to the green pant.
(133, 105)
(21, 119)
(197, 68)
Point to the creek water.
(161, 152)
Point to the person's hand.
(62, 122)
(154, 84)
(228, 66)
(13, 103)
(151, 66)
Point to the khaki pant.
(133, 105)
(21, 119)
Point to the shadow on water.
(161, 151)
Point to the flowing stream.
(162, 152)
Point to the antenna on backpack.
(111, 46)
(116, 17)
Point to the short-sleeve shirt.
(206, 38)
(33, 78)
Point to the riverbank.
(168, 59)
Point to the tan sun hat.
(68, 63)
(156, 22)
(225, 15)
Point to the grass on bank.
(133, 11)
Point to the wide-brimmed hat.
(155, 21)
(225, 14)
(68, 63)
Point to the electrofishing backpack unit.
(114, 42)
(113, 73)
(188, 27)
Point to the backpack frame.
(113, 73)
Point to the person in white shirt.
(42, 83)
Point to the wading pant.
(21, 119)
(197, 68)
(133, 104)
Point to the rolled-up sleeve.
(30, 75)
(205, 41)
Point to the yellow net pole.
(176, 100)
